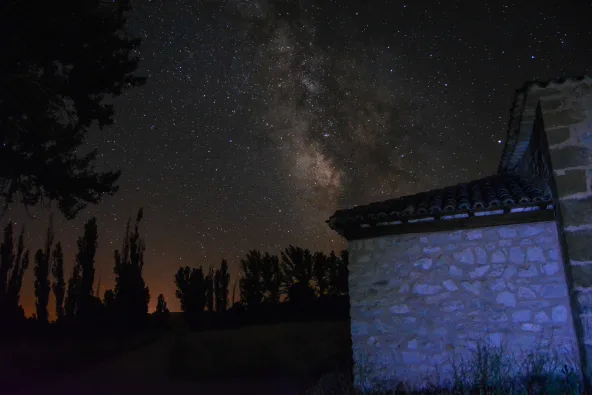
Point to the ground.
(270, 359)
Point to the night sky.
(258, 122)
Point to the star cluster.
(260, 118)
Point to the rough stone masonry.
(420, 302)
(566, 109)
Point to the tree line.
(270, 286)
(76, 300)
(296, 284)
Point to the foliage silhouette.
(221, 283)
(72, 299)
(85, 260)
(161, 305)
(42, 268)
(209, 288)
(131, 293)
(191, 292)
(13, 266)
(60, 60)
(59, 285)
(252, 288)
(271, 276)
(297, 264)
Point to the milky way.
(260, 118)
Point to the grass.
(296, 350)
(46, 358)
(490, 371)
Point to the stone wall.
(567, 117)
(421, 301)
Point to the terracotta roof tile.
(494, 192)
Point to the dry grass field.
(300, 351)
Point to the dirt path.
(146, 371)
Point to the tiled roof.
(497, 192)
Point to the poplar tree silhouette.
(131, 293)
(221, 283)
(15, 282)
(42, 268)
(59, 285)
(12, 269)
(85, 261)
(60, 60)
(209, 289)
(71, 304)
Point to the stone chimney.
(562, 110)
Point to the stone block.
(465, 256)
(507, 299)
(528, 270)
(516, 255)
(559, 314)
(584, 302)
(474, 234)
(450, 285)
(526, 293)
(521, 316)
(473, 287)
(531, 327)
(506, 232)
(582, 275)
(479, 271)
(558, 136)
(359, 328)
(535, 254)
(570, 156)
(573, 181)
(576, 211)
(563, 118)
(550, 291)
(426, 289)
(498, 285)
(498, 256)
(481, 255)
(541, 317)
(550, 268)
(579, 247)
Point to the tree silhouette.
(85, 261)
(251, 285)
(209, 288)
(297, 266)
(161, 305)
(42, 268)
(221, 283)
(6, 261)
(60, 61)
(59, 285)
(337, 273)
(15, 282)
(12, 269)
(320, 272)
(131, 293)
(191, 292)
(72, 298)
(271, 276)
(109, 302)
